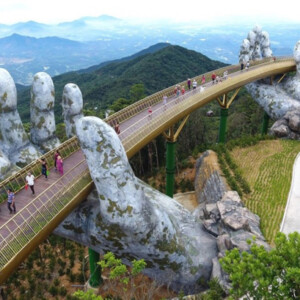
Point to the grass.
(267, 167)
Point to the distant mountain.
(150, 49)
(102, 86)
(105, 38)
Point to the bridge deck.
(23, 197)
(136, 131)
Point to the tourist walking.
(150, 112)
(165, 98)
(203, 79)
(11, 201)
(189, 83)
(44, 167)
(182, 90)
(194, 84)
(213, 77)
(117, 128)
(225, 74)
(60, 166)
(56, 154)
(242, 66)
(247, 65)
(30, 181)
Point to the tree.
(137, 92)
(262, 274)
(89, 295)
(120, 104)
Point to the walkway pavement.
(291, 218)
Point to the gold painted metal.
(28, 235)
(280, 79)
(225, 103)
(17, 181)
(132, 144)
(138, 140)
(172, 137)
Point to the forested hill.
(103, 86)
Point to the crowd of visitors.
(30, 179)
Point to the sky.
(56, 11)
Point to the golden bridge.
(55, 198)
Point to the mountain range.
(157, 67)
(30, 47)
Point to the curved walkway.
(18, 239)
(291, 218)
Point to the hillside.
(106, 84)
(268, 167)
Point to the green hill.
(101, 87)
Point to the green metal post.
(95, 269)
(171, 147)
(265, 125)
(223, 125)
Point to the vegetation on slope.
(103, 86)
(267, 167)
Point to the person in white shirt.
(194, 84)
(30, 181)
(247, 65)
(165, 98)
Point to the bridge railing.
(155, 98)
(17, 232)
(176, 107)
(17, 181)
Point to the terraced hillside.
(268, 167)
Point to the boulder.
(210, 186)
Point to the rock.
(280, 130)
(218, 274)
(72, 104)
(209, 185)
(224, 243)
(232, 196)
(211, 226)
(133, 220)
(14, 142)
(294, 122)
(239, 239)
(288, 126)
(211, 212)
(43, 127)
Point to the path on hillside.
(291, 219)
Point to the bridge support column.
(171, 138)
(265, 124)
(225, 104)
(223, 125)
(95, 269)
(170, 168)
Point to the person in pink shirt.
(59, 165)
(203, 79)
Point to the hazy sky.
(55, 11)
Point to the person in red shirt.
(150, 112)
(182, 90)
(213, 77)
